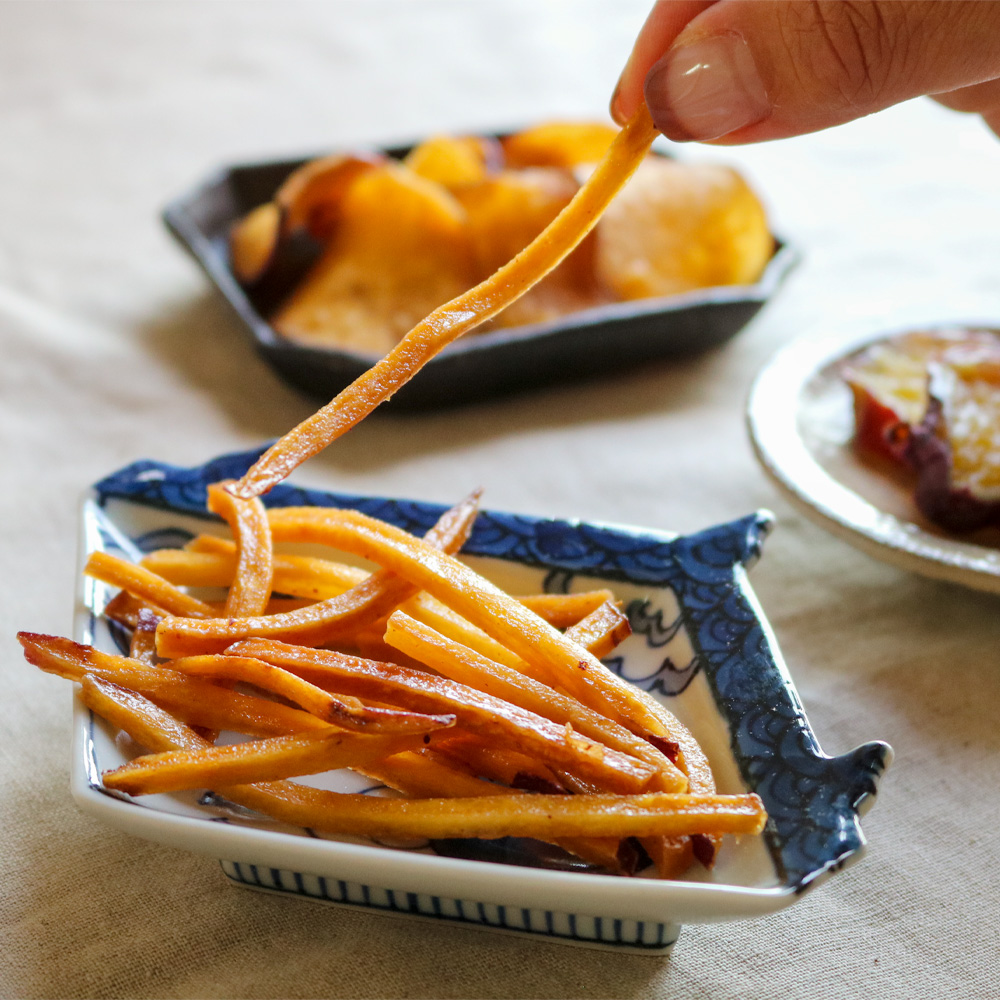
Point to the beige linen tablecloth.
(113, 348)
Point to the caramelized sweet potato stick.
(152, 727)
(454, 318)
(496, 763)
(559, 610)
(327, 621)
(251, 587)
(298, 576)
(345, 711)
(556, 659)
(256, 760)
(145, 585)
(602, 630)
(426, 775)
(542, 816)
(467, 667)
(565, 610)
(492, 718)
(194, 701)
(551, 657)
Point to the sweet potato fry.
(149, 725)
(468, 667)
(213, 564)
(346, 712)
(542, 816)
(557, 660)
(251, 587)
(253, 761)
(193, 700)
(323, 622)
(525, 815)
(454, 318)
(504, 813)
(566, 610)
(602, 630)
(145, 585)
(491, 717)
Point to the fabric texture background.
(112, 347)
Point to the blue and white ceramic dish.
(700, 643)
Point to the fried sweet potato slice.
(455, 161)
(676, 227)
(458, 316)
(400, 250)
(313, 197)
(559, 144)
(253, 243)
(506, 212)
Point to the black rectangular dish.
(600, 341)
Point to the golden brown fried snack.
(676, 227)
(400, 249)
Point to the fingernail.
(706, 89)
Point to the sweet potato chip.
(676, 227)
(313, 197)
(253, 242)
(454, 161)
(399, 251)
(559, 144)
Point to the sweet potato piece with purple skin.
(952, 506)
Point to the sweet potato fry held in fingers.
(461, 314)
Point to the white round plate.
(801, 422)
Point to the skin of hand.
(740, 71)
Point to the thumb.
(749, 71)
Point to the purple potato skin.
(929, 453)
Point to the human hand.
(738, 71)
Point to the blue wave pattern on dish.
(812, 800)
